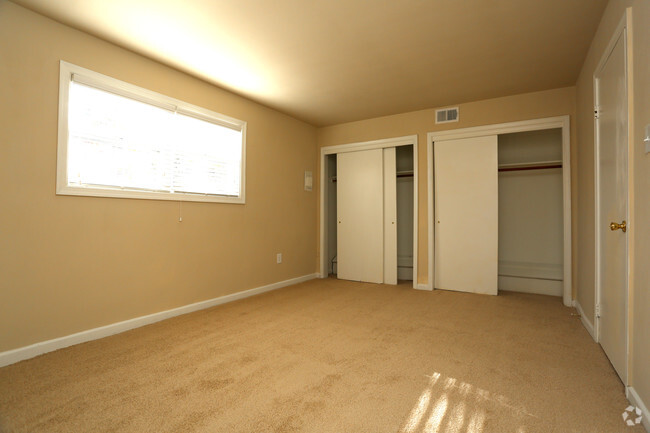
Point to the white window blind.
(119, 140)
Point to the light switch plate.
(308, 180)
(646, 139)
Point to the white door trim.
(621, 31)
(353, 147)
(562, 122)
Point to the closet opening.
(392, 181)
(331, 214)
(404, 162)
(499, 212)
(531, 218)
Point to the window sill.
(148, 195)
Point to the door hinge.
(598, 310)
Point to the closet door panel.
(390, 216)
(360, 215)
(466, 215)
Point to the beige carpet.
(330, 356)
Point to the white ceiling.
(334, 61)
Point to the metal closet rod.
(501, 169)
(404, 174)
(532, 165)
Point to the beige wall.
(69, 264)
(536, 105)
(639, 41)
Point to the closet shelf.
(538, 165)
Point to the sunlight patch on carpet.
(458, 407)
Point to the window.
(119, 140)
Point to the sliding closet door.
(360, 212)
(390, 216)
(466, 215)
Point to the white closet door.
(466, 215)
(612, 207)
(390, 216)
(360, 209)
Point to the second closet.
(499, 220)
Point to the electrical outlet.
(278, 258)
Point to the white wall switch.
(278, 258)
(309, 180)
(646, 139)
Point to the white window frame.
(97, 80)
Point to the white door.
(611, 133)
(390, 216)
(360, 214)
(466, 214)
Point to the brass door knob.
(616, 226)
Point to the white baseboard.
(531, 285)
(422, 287)
(404, 273)
(15, 355)
(531, 269)
(634, 398)
(585, 321)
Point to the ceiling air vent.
(447, 115)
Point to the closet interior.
(404, 162)
(531, 225)
(402, 171)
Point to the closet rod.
(398, 175)
(530, 167)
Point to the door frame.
(621, 31)
(559, 122)
(354, 147)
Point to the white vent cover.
(447, 115)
